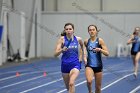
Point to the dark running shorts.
(95, 69)
(133, 53)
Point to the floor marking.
(135, 90)
(41, 85)
(116, 81)
(75, 86)
(27, 80)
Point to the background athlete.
(135, 49)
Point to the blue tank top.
(136, 44)
(94, 58)
(71, 55)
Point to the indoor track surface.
(44, 76)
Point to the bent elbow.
(127, 43)
(55, 55)
(107, 54)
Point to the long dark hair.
(63, 33)
(95, 27)
(136, 31)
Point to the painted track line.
(75, 86)
(116, 81)
(14, 71)
(14, 76)
(104, 87)
(2, 79)
(135, 90)
(41, 85)
(28, 80)
(21, 82)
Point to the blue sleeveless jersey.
(71, 55)
(94, 58)
(136, 44)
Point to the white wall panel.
(114, 28)
(121, 5)
(67, 5)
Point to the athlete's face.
(69, 30)
(92, 31)
(137, 29)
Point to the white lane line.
(81, 83)
(135, 90)
(116, 81)
(75, 86)
(41, 85)
(10, 72)
(105, 86)
(21, 82)
(28, 80)
(37, 77)
(20, 75)
(10, 77)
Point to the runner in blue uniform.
(135, 49)
(93, 48)
(71, 48)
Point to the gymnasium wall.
(93, 5)
(116, 19)
(115, 28)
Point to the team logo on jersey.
(90, 48)
(72, 46)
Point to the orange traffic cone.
(44, 74)
(17, 74)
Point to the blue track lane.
(117, 77)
